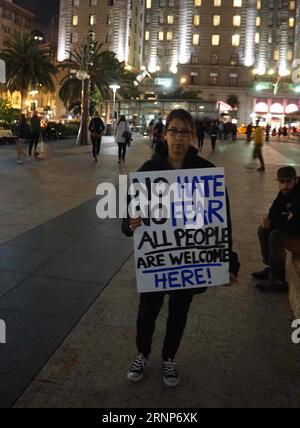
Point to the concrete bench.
(293, 277)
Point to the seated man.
(280, 231)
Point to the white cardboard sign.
(184, 244)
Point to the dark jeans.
(257, 154)
(150, 306)
(200, 141)
(274, 244)
(122, 150)
(96, 145)
(35, 136)
(213, 139)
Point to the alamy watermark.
(296, 332)
(2, 332)
(195, 203)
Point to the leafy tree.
(29, 66)
(8, 114)
(106, 69)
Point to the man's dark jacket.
(97, 125)
(283, 207)
(191, 161)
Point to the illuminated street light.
(114, 87)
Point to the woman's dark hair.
(183, 115)
(122, 119)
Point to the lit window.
(198, 3)
(291, 22)
(217, 3)
(94, 2)
(196, 39)
(161, 36)
(237, 21)
(75, 3)
(258, 4)
(257, 38)
(92, 19)
(215, 40)
(147, 35)
(236, 40)
(213, 79)
(237, 3)
(197, 20)
(170, 19)
(148, 4)
(216, 20)
(290, 56)
(276, 55)
(74, 20)
(258, 21)
(169, 35)
(292, 5)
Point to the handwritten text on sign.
(183, 242)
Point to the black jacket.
(191, 161)
(282, 207)
(97, 125)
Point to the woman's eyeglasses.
(185, 133)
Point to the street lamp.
(114, 88)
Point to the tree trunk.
(83, 134)
(23, 101)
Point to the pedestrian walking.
(158, 133)
(150, 131)
(200, 133)
(268, 129)
(122, 137)
(249, 130)
(35, 125)
(176, 153)
(234, 131)
(285, 133)
(23, 134)
(213, 132)
(279, 133)
(96, 129)
(280, 231)
(258, 145)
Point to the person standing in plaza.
(96, 129)
(177, 152)
(35, 125)
(122, 137)
(249, 132)
(200, 133)
(258, 146)
(280, 231)
(268, 129)
(213, 132)
(23, 134)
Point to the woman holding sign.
(177, 153)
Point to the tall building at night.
(13, 20)
(213, 47)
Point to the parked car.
(7, 137)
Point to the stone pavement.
(67, 293)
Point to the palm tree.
(106, 69)
(28, 66)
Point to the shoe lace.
(169, 368)
(139, 363)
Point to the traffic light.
(90, 48)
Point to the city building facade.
(215, 48)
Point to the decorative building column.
(153, 43)
(263, 49)
(186, 13)
(64, 31)
(297, 33)
(284, 38)
(120, 33)
(250, 29)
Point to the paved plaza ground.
(68, 293)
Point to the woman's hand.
(233, 280)
(134, 223)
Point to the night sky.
(44, 10)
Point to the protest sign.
(183, 241)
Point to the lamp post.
(83, 75)
(114, 88)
